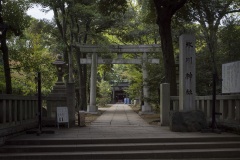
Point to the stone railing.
(227, 105)
(17, 113)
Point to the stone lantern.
(58, 96)
(60, 65)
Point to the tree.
(104, 93)
(229, 41)
(165, 11)
(133, 74)
(30, 54)
(13, 19)
(82, 22)
(209, 14)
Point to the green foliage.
(120, 22)
(155, 78)
(133, 28)
(2, 84)
(133, 74)
(14, 15)
(104, 93)
(229, 41)
(112, 7)
(30, 55)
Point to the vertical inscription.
(187, 73)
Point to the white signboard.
(62, 115)
(231, 77)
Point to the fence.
(17, 113)
(227, 105)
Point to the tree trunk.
(82, 99)
(83, 73)
(83, 87)
(165, 11)
(4, 49)
(168, 55)
(7, 73)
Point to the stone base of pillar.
(146, 109)
(57, 98)
(70, 93)
(92, 109)
(145, 113)
(164, 104)
(59, 88)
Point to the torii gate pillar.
(92, 108)
(146, 108)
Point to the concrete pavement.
(118, 121)
(119, 115)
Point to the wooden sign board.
(62, 115)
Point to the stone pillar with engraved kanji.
(187, 72)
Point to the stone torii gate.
(119, 49)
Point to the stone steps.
(138, 148)
(67, 141)
(117, 147)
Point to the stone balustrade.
(227, 105)
(17, 113)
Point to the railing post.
(21, 111)
(222, 110)
(202, 106)
(10, 111)
(176, 105)
(164, 104)
(15, 111)
(197, 105)
(39, 102)
(230, 111)
(31, 109)
(4, 111)
(208, 109)
(237, 110)
(25, 110)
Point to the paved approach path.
(118, 121)
(119, 115)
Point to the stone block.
(164, 104)
(81, 118)
(190, 121)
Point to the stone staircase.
(227, 148)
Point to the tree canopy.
(30, 43)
